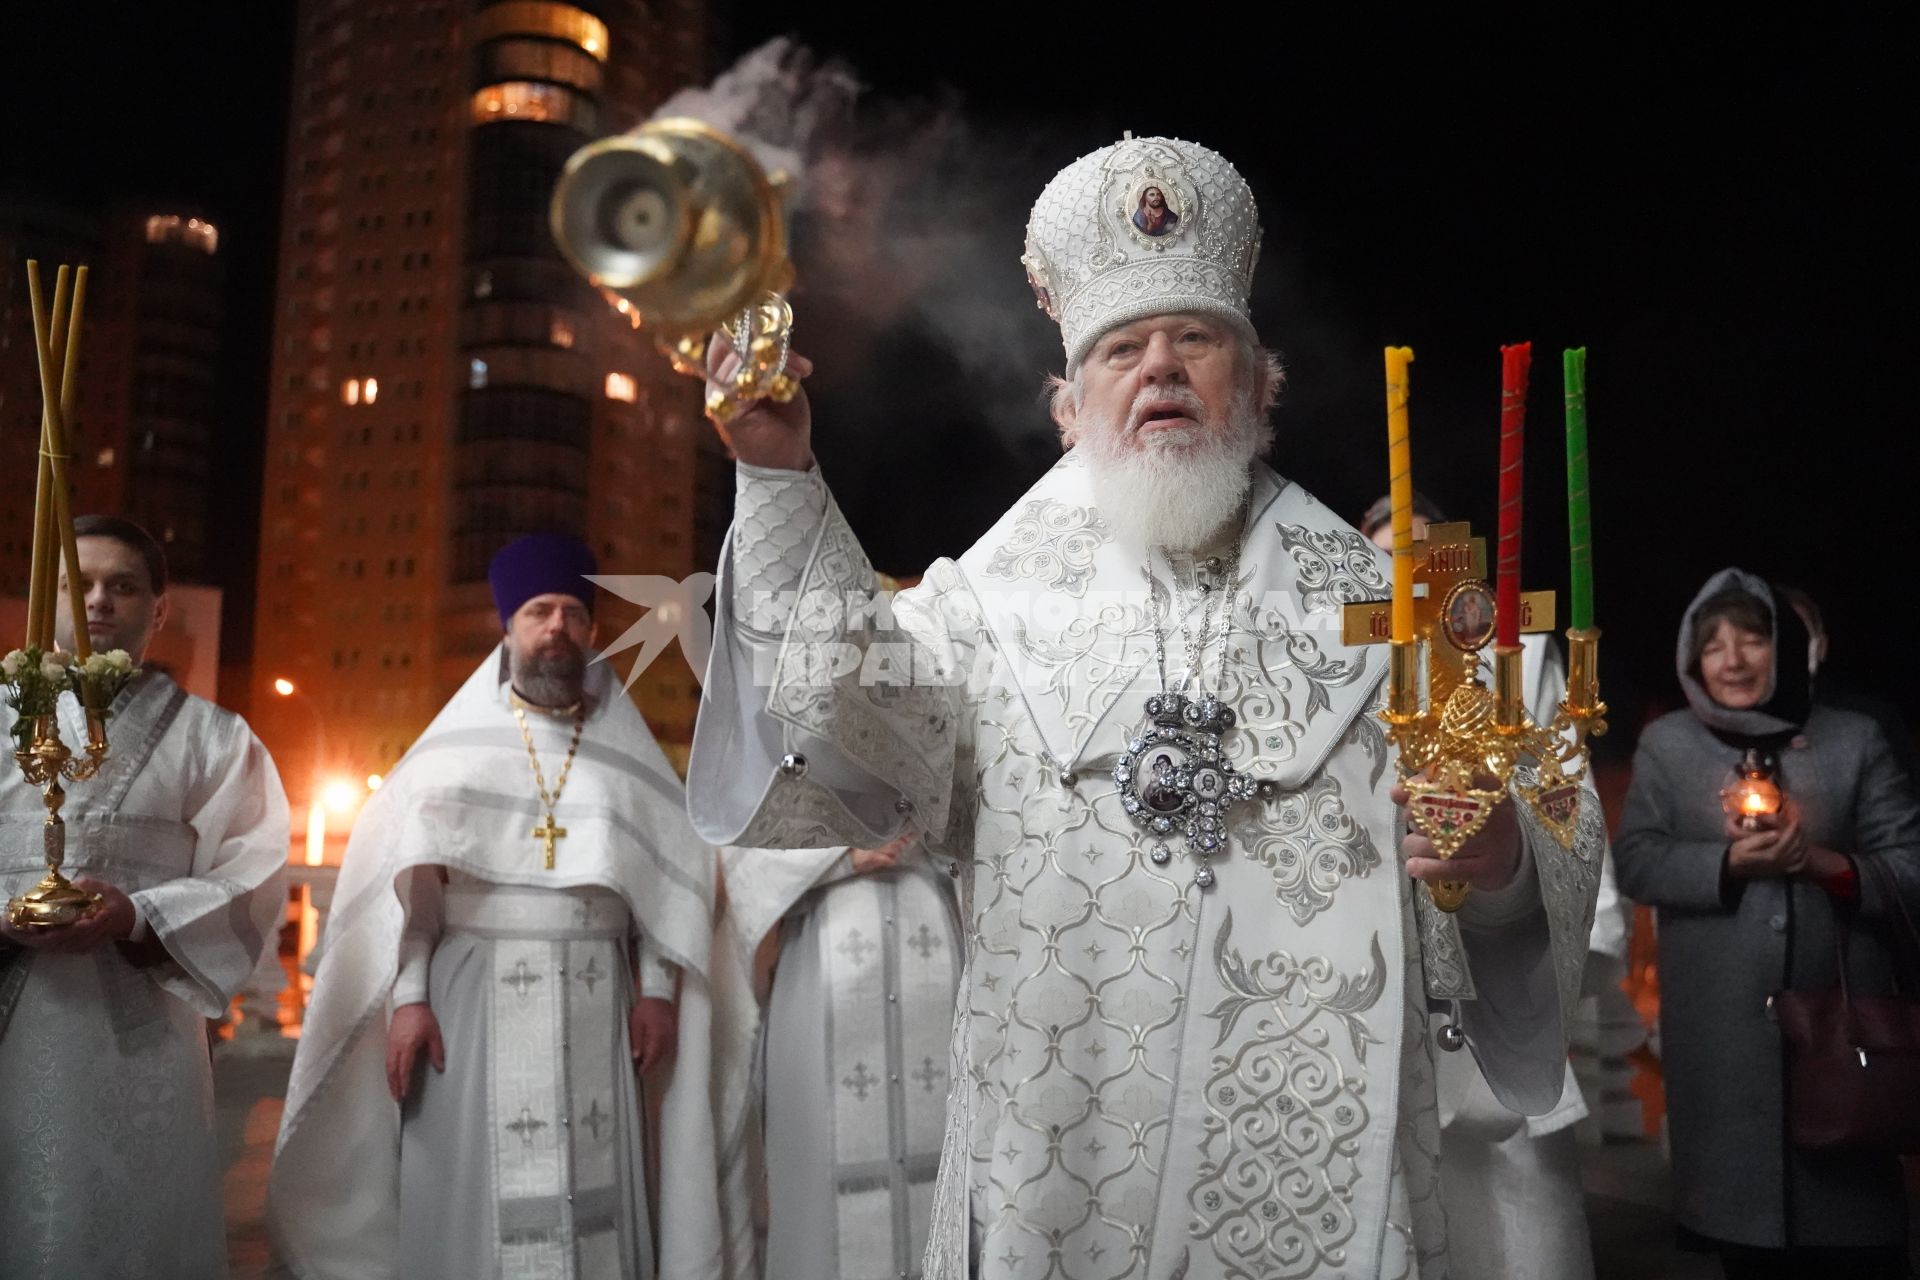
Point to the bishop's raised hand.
(763, 433)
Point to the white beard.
(1181, 485)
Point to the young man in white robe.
(108, 1165)
(523, 915)
(854, 1050)
(1175, 1059)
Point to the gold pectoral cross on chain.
(547, 833)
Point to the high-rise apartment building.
(146, 391)
(442, 380)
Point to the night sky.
(1718, 211)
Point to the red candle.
(1513, 419)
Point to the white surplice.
(1152, 1079)
(108, 1166)
(523, 955)
(854, 1054)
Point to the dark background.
(1718, 210)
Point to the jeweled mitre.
(1140, 228)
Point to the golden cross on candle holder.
(38, 672)
(1460, 744)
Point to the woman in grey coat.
(1742, 914)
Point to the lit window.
(540, 18)
(350, 391)
(476, 373)
(533, 100)
(171, 228)
(620, 386)
(373, 390)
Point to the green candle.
(1579, 500)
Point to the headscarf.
(1787, 706)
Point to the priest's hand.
(413, 1028)
(654, 1027)
(1487, 860)
(885, 858)
(110, 919)
(763, 433)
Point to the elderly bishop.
(1191, 1036)
(523, 913)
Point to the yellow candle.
(62, 493)
(45, 328)
(1400, 462)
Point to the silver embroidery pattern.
(1088, 663)
(898, 727)
(1569, 885)
(1417, 1140)
(1281, 1143)
(1447, 975)
(1052, 543)
(1071, 1058)
(1370, 736)
(1279, 681)
(1311, 845)
(1336, 567)
(799, 814)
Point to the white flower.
(13, 664)
(118, 660)
(96, 665)
(52, 670)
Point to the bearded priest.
(1191, 1036)
(523, 914)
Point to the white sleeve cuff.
(411, 984)
(659, 980)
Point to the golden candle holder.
(46, 763)
(1461, 745)
(38, 673)
(684, 233)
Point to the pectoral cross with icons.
(1463, 733)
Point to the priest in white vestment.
(1191, 1041)
(855, 1047)
(108, 1165)
(523, 914)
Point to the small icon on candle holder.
(1467, 616)
(1753, 794)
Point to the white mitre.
(1098, 255)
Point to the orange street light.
(340, 796)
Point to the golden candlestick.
(37, 674)
(54, 902)
(1460, 747)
